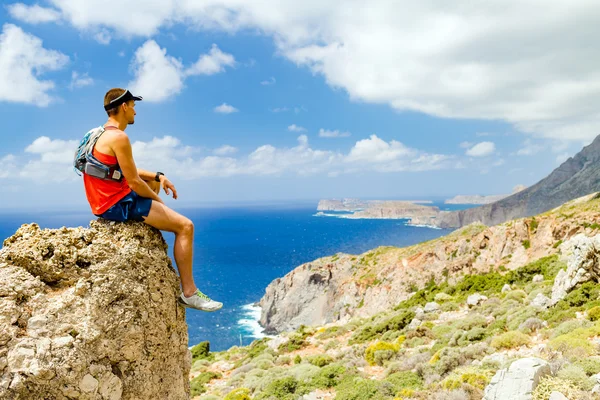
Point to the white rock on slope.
(518, 381)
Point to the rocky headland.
(388, 209)
(353, 205)
(91, 313)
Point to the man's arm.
(164, 181)
(122, 148)
(146, 175)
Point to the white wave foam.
(322, 214)
(250, 323)
(423, 226)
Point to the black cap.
(125, 97)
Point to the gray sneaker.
(199, 301)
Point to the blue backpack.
(85, 162)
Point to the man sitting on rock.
(129, 193)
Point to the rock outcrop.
(518, 381)
(91, 314)
(582, 254)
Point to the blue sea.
(238, 251)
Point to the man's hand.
(168, 186)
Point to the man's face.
(129, 109)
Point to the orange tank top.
(102, 194)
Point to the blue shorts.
(131, 207)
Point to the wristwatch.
(157, 177)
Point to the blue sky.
(252, 102)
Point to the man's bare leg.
(155, 186)
(165, 219)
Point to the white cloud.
(225, 150)
(53, 151)
(33, 14)
(481, 149)
(378, 155)
(53, 161)
(529, 148)
(466, 145)
(212, 63)
(279, 109)
(50, 160)
(103, 37)
(483, 62)
(7, 166)
(332, 134)
(80, 80)
(270, 81)
(375, 149)
(296, 128)
(22, 60)
(225, 109)
(157, 75)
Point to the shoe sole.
(186, 305)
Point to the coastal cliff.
(337, 288)
(91, 314)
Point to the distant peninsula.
(351, 205)
(377, 209)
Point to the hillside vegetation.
(446, 341)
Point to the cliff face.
(576, 177)
(91, 314)
(339, 287)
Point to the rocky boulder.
(582, 254)
(91, 313)
(518, 381)
(474, 299)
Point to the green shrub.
(577, 375)
(379, 352)
(356, 388)
(510, 340)
(296, 341)
(329, 376)
(332, 331)
(283, 360)
(197, 384)
(405, 379)
(287, 388)
(200, 351)
(320, 360)
(257, 347)
(526, 243)
(590, 366)
(569, 326)
(594, 313)
(297, 359)
(238, 394)
(395, 323)
(549, 384)
(573, 344)
(516, 295)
